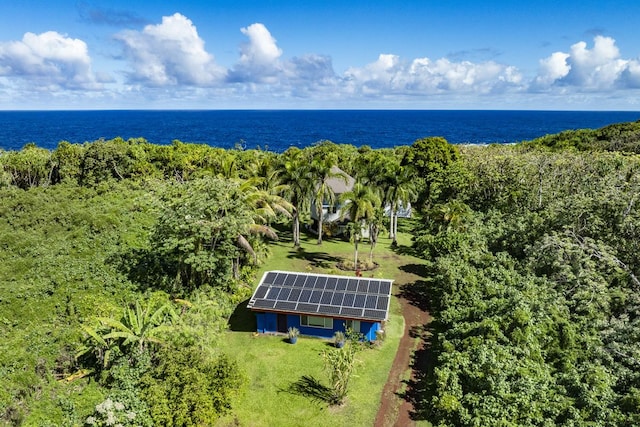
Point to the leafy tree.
(29, 167)
(201, 231)
(431, 157)
(188, 388)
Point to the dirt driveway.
(395, 409)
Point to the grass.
(273, 365)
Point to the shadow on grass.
(315, 259)
(418, 294)
(242, 319)
(311, 388)
(417, 269)
(405, 250)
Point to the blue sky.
(552, 55)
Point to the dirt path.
(394, 409)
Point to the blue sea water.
(277, 130)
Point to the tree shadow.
(418, 294)
(315, 259)
(421, 270)
(311, 388)
(405, 250)
(242, 319)
(419, 388)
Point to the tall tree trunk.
(392, 210)
(296, 229)
(394, 220)
(320, 225)
(355, 253)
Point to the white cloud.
(422, 76)
(552, 68)
(259, 57)
(170, 54)
(599, 68)
(49, 60)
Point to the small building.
(320, 304)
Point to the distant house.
(320, 304)
(331, 212)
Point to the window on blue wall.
(354, 325)
(316, 322)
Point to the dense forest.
(121, 262)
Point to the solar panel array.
(316, 294)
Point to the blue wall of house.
(268, 323)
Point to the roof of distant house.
(338, 184)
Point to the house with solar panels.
(320, 304)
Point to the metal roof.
(312, 294)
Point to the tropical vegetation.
(122, 263)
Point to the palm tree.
(359, 206)
(400, 191)
(323, 170)
(376, 225)
(297, 186)
(450, 216)
(264, 207)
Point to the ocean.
(277, 130)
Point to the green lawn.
(272, 364)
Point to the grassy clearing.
(272, 364)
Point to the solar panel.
(279, 279)
(323, 295)
(331, 283)
(328, 309)
(337, 298)
(374, 287)
(310, 282)
(307, 308)
(320, 283)
(270, 277)
(348, 300)
(284, 305)
(299, 282)
(326, 297)
(305, 296)
(383, 303)
(263, 303)
(315, 297)
(349, 311)
(363, 286)
(273, 292)
(284, 294)
(371, 301)
(375, 314)
(289, 279)
(385, 288)
(261, 292)
(294, 295)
